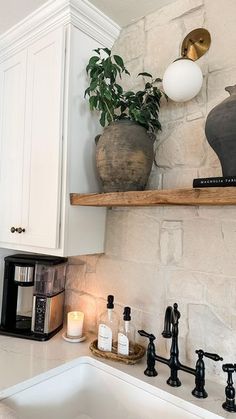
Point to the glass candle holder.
(75, 321)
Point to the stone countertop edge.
(24, 363)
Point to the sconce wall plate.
(196, 44)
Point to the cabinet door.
(43, 141)
(12, 117)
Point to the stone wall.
(156, 256)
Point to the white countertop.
(23, 361)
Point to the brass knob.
(13, 229)
(20, 230)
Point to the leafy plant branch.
(108, 97)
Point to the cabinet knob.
(20, 230)
(13, 229)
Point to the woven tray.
(139, 352)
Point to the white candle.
(75, 320)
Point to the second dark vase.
(221, 132)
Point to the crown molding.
(54, 13)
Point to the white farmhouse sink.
(93, 390)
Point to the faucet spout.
(167, 333)
(172, 316)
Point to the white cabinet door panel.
(12, 114)
(43, 136)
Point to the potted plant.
(124, 153)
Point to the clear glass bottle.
(126, 335)
(108, 327)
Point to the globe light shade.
(182, 80)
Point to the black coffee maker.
(33, 296)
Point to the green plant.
(108, 97)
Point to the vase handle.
(96, 139)
(231, 89)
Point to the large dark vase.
(221, 132)
(124, 156)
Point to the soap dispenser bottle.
(108, 327)
(126, 335)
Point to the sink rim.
(150, 388)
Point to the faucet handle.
(150, 371)
(229, 403)
(150, 336)
(229, 368)
(199, 390)
(214, 357)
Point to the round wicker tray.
(139, 352)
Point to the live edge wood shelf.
(187, 196)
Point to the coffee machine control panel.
(40, 311)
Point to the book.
(207, 182)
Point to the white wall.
(156, 256)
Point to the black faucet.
(171, 330)
(229, 403)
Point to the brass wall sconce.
(183, 79)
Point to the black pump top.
(126, 314)
(110, 301)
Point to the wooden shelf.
(188, 196)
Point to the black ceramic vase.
(221, 132)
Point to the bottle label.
(123, 344)
(104, 338)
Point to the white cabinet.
(47, 134)
(31, 137)
(12, 112)
(43, 141)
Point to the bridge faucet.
(171, 330)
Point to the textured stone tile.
(171, 242)
(91, 263)
(170, 111)
(162, 47)
(220, 296)
(198, 105)
(171, 12)
(75, 277)
(131, 235)
(185, 286)
(209, 171)
(208, 247)
(220, 21)
(134, 284)
(116, 232)
(226, 212)
(177, 212)
(142, 242)
(185, 146)
(179, 178)
(194, 19)
(131, 42)
(208, 332)
(195, 115)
